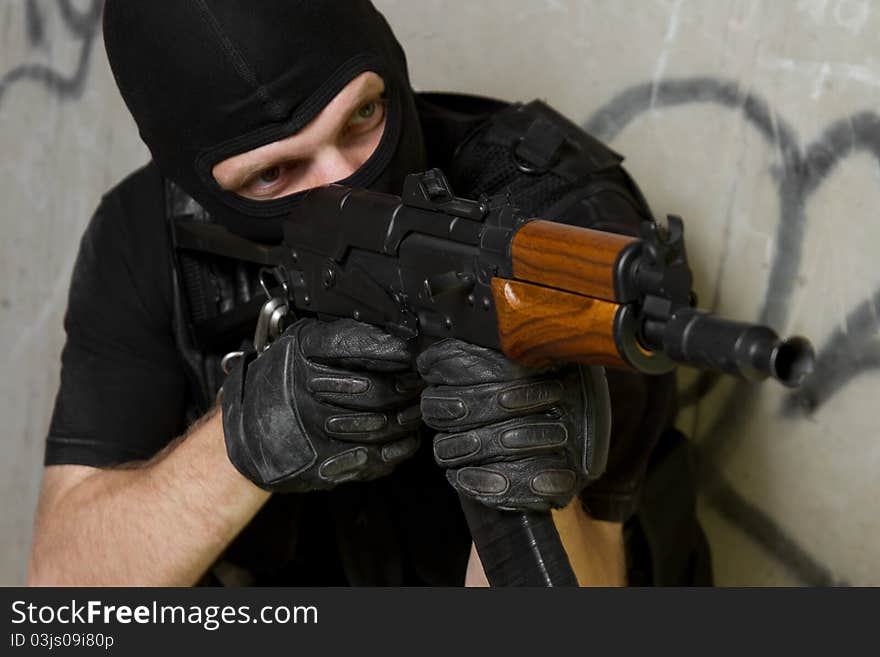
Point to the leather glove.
(510, 437)
(643, 408)
(324, 404)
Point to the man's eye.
(366, 116)
(267, 182)
(367, 111)
(270, 175)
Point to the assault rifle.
(429, 265)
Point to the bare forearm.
(595, 547)
(158, 523)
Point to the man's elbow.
(50, 561)
(43, 569)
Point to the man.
(244, 108)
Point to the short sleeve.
(122, 391)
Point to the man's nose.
(335, 164)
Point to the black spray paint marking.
(852, 349)
(732, 506)
(35, 30)
(83, 25)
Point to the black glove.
(643, 408)
(324, 404)
(514, 438)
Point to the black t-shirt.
(123, 387)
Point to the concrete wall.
(756, 120)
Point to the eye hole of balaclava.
(210, 80)
(332, 147)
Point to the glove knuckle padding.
(511, 437)
(333, 385)
(464, 406)
(294, 425)
(533, 484)
(509, 440)
(399, 450)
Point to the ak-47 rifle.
(429, 265)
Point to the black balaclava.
(208, 79)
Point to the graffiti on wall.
(82, 25)
(852, 349)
